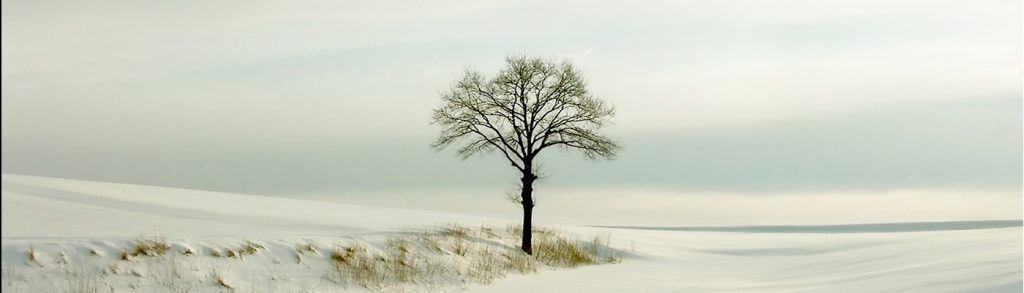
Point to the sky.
(751, 100)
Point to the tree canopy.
(531, 105)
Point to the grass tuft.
(157, 246)
(355, 264)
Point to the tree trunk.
(527, 196)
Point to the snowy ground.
(57, 232)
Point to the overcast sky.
(334, 97)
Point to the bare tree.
(531, 105)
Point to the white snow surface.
(66, 222)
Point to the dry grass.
(470, 255)
(247, 248)
(157, 246)
(354, 264)
(404, 265)
(486, 266)
(560, 250)
(460, 245)
(449, 255)
(520, 262)
(250, 248)
(432, 241)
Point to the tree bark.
(527, 196)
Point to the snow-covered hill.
(61, 234)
